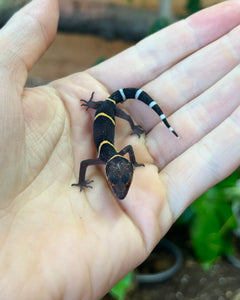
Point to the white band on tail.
(122, 94)
(138, 93)
(153, 103)
(162, 117)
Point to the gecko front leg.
(91, 104)
(82, 182)
(128, 149)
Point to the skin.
(58, 243)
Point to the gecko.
(119, 170)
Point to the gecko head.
(119, 172)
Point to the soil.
(192, 282)
(221, 282)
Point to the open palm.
(56, 242)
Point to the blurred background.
(91, 30)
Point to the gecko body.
(119, 170)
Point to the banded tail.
(133, 93)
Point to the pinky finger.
(203, 165)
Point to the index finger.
(146, 60)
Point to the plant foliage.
(212, 220)
(193, 6)
(122, 287)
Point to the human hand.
(56, 242)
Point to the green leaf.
(186, 217)
(193, 6)
(122, 287)
(213, 220)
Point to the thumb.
(26, 36)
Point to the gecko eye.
(113, 179)
(125, 178)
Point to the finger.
(22, 41)
(149, 58)
(191, 77)
(26, 37)
(204, 164)
(184, 82)
(196, 119)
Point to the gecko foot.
(137, 129)
(83, 184)
(138, 165)
(89, 103)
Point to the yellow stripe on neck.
(117, 155)
(113, 101)
(105, 142)
(104, 115)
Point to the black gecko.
(119, 170)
